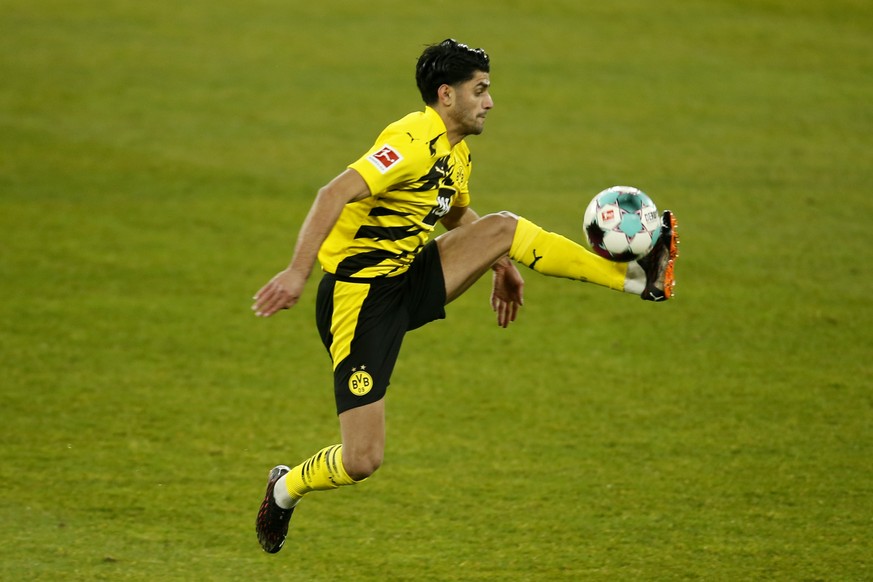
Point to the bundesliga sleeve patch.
(385, 158)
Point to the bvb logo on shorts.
(360, 382)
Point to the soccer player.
(369, 228)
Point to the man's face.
(472, 103)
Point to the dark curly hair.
(448, 63)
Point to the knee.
(501, 223)
(361, 464)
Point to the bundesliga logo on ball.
(622, 224)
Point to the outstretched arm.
(284, 290)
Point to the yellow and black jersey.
(415, 177)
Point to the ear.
(446, 95)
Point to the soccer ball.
(622, 224)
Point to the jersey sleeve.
(391, 161)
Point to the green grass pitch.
(156, 159)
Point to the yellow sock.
(322, 471)
(554, 255)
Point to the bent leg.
(468, 251)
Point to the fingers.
(506, 311)
(282, 292)
(513, 311)
(263, 306)
(270, 299)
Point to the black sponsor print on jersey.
(443, 205)
(439, 178)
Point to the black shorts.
(362, 323)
